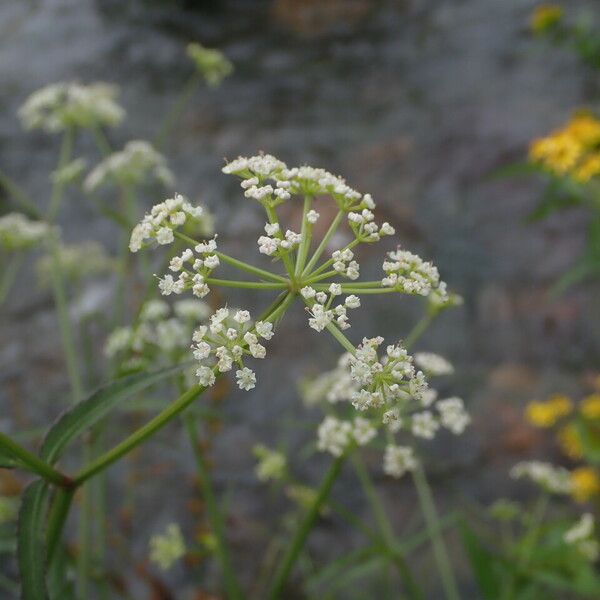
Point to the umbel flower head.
(61, 106)
(162, 332)
(212, 64)
(137, 162)
(322, 275)
(167, 548)
(77, 261)
(392, 395)
(18, 232)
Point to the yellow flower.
(569, 442)
(585, 483)
(545, 16)
(590, 406)
(585, 128)
(588, 168)
(559, 152)
(546, 414)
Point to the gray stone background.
(417, 102)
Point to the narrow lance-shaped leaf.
(31, 546)
(87, 413)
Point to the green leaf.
(590, 440)
(6, 460)
(516, 169)
(31, 543)
(88, 412)
(483, 563)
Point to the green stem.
(243, 266)
(234, 262)
(234, 591)
(303, 529)
(57, 519)
(246, 284)
(101, 141)
(21, 198)
(139, 436)
(85, 531)
(33, 463)
(432, 522)
(323, 245)
(177, 110)
(306, 234)
(419, 329)
(9, 274)
(528, 544)
(66, 150)
(64, 323)
(349, 289)
(315, 279)
(330, 261)
(386, 530)
(341, 338)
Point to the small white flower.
(352, 301)
(397, 460)
(272, 229)
(241, 316)
(164, 236)
(424, 425)
(363, 432)
(308, 292)
(205, 375)
(335, 289)
(312, 216)
(264, 329)
(246, 379)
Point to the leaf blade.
(87, 413)
(31, 545)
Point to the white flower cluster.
(77, 261)
(137, 162)
(581, 535)
(64, 105)
(229, 337)
(167, 548)
(157, 333)
(271, 465)
(321, 311)
(162, 220)
(17, 232)
(553, 479)
(257, 171)
(344, 265)
(410, 274)
(70, 173)
(213, 64)
(363, 223)
(201, 265)
(397, 460)
(390, 379)
(433, 364)
(275, 243)
(335, 435)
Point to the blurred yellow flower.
(588, 168)
(572, 150)
(545, 16)
(558, 152)
(590, 406)
(585, 483)
(548, 412)
(569, 442)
